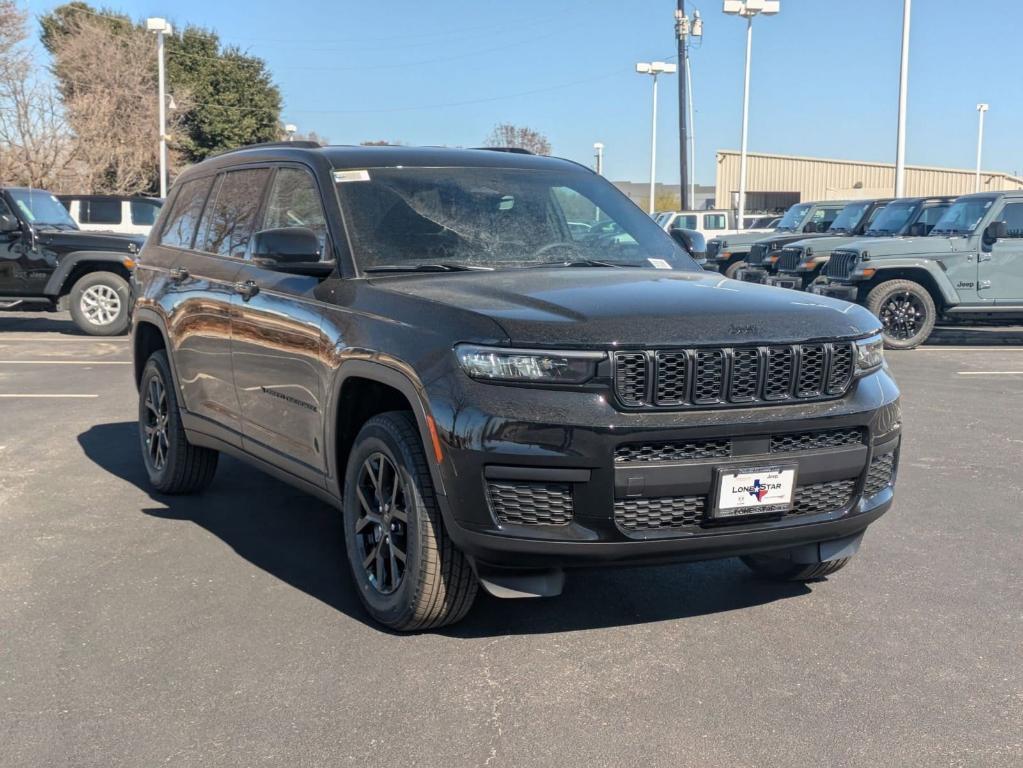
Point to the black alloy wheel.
(906, 311)
(382, 523)
(902, 315)
(154, 425)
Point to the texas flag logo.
(758, 490)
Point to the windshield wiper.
(441, 267)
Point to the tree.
(520, 137)
(35, 147)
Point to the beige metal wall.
(821, 179)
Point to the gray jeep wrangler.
(728, 253)
(801, 262)
(970, 267)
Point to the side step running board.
(10, 304)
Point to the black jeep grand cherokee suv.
(489, 394)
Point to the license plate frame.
(773, 502)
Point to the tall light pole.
(747, 9)
(290, 130)
(684, 29)
(900, 137)
(981, 109)
(598, 157)
(161, 27)
(654, 68)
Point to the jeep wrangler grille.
(696, 378)
(841, 264)
(757, 252)
(789, 259)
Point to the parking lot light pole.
(747, 9)
(654, 68)
(981, 109)
(598, 155)
(161, 27)
(900, 136)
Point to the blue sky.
(825, 74)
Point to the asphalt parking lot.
(222, 630)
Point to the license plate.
(754, 491)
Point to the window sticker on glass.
(340, 177)
(659, 264)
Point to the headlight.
(527, 365)
(869, 354)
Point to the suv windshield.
(892, 218)
(496, 218)
(849, 217)
(793, 217)
(963, 216)
(41, 208)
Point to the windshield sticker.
(341, 177)
(659, 264)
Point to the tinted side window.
(99, 211)
(231, 218)
(179, 230)
(295, 202)
(144, 212)
(714, 221)
(1012, 215)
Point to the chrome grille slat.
(841, 264)
(789, 259)
(724, 376)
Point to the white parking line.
(50, 397)
(990, 373)
(969, 349)
(91, 339)
(65, 362)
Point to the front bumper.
(835, 290)
(787, 280)
(752, 275)
(567, 464)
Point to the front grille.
(673, 512)
(732, 376)
(879, 476)
(658, 513)
(813, 441)
(789, 259)
(524, 503)
(680, 450)
(815, 498)
(841, 264)
(757, 252)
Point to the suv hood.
(75, 240)
(824, 244)
(908, 246)
(594, 307)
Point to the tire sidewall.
(395, 608)
(883, 292)
(732, 269)
(115, 282)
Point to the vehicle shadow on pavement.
(298, 539)
(979, 335)
(59, 323)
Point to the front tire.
(733, 269)
(99, 304)
(408, 573)
(782, 569)
(173, 464)
(906, 311)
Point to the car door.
(11, 251)
(279, 353)
(1000, 273)
(196, 298)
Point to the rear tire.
(409, 574)
(733, 269)
(906, 311)
(99, 304)
(783, 569)
(173, 464)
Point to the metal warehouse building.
(774, 182)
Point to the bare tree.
(35, 147)
(108, 80)
(519, 137)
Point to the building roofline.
(872, 163)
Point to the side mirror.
(810, 227)
(995, 231)
(680, 237)
(294, 250)
(918, 229)
(9, 224)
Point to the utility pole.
(981, 109)
(161, 27)
(900, 134)
(682, 33)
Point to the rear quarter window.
(179, 231)
(99, 211)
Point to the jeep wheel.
(906, 311)
(782, 569)
(173, 464)
(733, 269)
(408, 573)
(99, 304)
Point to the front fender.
(932, 267)
(67, 263)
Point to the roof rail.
(513, 150)
(268, 144)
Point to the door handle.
(246, 290)
(983, 257)
(179, 274)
